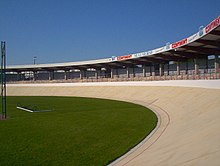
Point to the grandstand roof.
(201, 44)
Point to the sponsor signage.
(192, 38)
(159, 50)
(141, 54)
(212, 25)
(202, 31)
(179, 43)
(124, 57)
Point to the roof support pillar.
(168, 68)
(151, 69)
(51, 75)
(178, 68)
(196, 66)
(133, 71)
(161, 69)
(128, 72)
(112, 72)
(66, 75)
(34, 75)
(216, 64)
(97, 73)
(116, 71)
(19, 76)
(207, 65)
(144, 70)
(187, 67)
(82, 74)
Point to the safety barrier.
(190, 76)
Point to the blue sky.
(74, 30)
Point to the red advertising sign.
(179, 43)
(124, 57)
(212, 25)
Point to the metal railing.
(190, 76)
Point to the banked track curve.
(189, 137)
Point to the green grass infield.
(77, 131)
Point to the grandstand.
(195, 57)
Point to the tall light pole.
(3, 80)
(35, 59)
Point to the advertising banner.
(202, 31)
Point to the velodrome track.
(188, 112)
